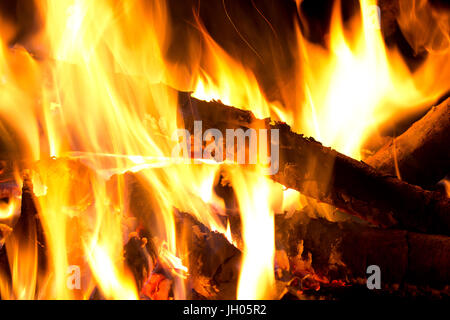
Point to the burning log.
(404, 257)
(331, 177)
(421, 155)
(323, 254)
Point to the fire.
(173, 262)
(348, 88)
(7, 209)
(446, 185)
(105, 108)
(23, 262)
(94, 102)
(361, 83)
(109, 276)
(228, 234)
(257, 278)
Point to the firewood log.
(340, 251)
(329, 253)
(344, 250)
(422, 153)
(331, 177)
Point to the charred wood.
(25, 234)
(137, 258)
(331, 177)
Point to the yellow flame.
(108, 275)
(22, 258)
(229, 81)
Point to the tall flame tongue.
(90, 108)
(358, 83)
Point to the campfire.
(163, 150)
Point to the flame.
(22, 258)
(173, 262)
(104, 107)
(242, 91)
(348, 88)
(91, 105)
(228, 234)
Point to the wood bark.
(329, 176)
(344, 250)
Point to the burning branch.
(331, 177)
